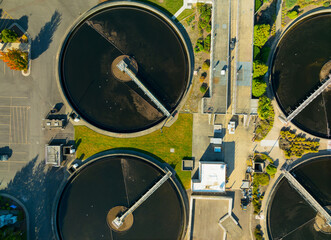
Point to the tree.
(259, 69)
(258, 88)
(206, 44)
(261, 34)
(206, 65)
(265, 109)
(15, 59)
(208, 28)
(199, 45)
(271, 170)
(8, 35)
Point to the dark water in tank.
(118, 181)
(296, 67)
(290, 217)
(111, 104)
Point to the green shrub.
(203, 88)
(256, 52)
(296, 145)
(208, 28)
(261, 179)
(258, 87)
(271, 170)
(206, 65)
(206, 46)
(326, 4)
(292, 14)
(290, 3)
(265, 109)
(202, 23)
(190, 19)
(8, 35)
(199, 45)
(261, 34)
(204, 10)
(259, 69)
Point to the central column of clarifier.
(117, 212)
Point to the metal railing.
(305, 103)
(118, 221)
(306, 195)
(124, 67)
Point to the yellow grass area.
(157, 144)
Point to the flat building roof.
(212, 177)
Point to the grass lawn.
(170, 5)
(178, 136)
(186, 13)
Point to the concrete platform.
(205, 213)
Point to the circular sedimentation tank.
(289, 216)
(105, 97)
(107, 186)
(301, 61)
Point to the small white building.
(53, 155)
(212, 178)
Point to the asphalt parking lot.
(14, 134)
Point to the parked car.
(4, 157)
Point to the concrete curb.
(163, 16)
(131, 153)
(25, 210)
(208, 197)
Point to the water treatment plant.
(165, 119)
(106, 97)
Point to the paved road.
(24, 101)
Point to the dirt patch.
(191, 26)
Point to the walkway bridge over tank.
(309, 99)
(118, 221)
(307, 196)
(124, 68)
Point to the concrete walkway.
(187, 4)
(27, 101)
